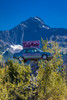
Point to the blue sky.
(52, 12)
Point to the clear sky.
(52, 12)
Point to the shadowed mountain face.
(32, 29)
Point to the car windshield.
(30, 50)
(39, 50)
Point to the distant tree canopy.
(17, 83)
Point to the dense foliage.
(17, 82)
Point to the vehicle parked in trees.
(32, 54)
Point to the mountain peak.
(36, 20)
(42, 22)
(39, 19)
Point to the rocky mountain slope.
(33, 29)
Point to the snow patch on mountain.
(45, 27)
(23, 25)
(8, 53)
(15, 48)
(37, 18)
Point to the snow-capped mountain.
(32, 29)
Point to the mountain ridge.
(32, 29)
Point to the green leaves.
(51, 76)
(16, 83)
